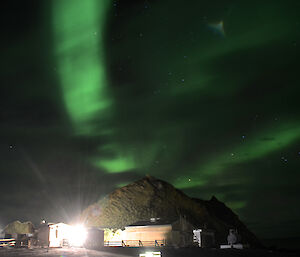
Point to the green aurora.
(182, 84)
(203, 95)
(78, 40)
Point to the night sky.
(96, 94)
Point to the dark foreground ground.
(134, 252)
(291, 243)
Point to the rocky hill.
(151, 197)
(18, 227)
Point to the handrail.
(135, 243)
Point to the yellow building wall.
(147, 233)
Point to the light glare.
(150, 254)
(77, 235)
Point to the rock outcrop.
(151, 197)
(18, 227)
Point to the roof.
(152, 222)
(58, 224)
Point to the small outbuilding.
(53, 235)
(94, 238)
(157, 232)
(204, 238)
(61, 235)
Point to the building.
(61, 235)
(64, 235)
(157, 232)
(53, 235)
(18, 233)
(18, 229)
(204, 238)
(94, 238)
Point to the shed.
(157, 232)
(61, 234)
(204, 238)
(54, 235)
(94, 238)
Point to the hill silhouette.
(151, 197)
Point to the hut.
(53, 235)
(157, 232)
(204, 237)
(61, 235)
(94, 238)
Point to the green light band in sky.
(78, 44)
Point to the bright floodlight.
(77, 235)
(150, 254)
